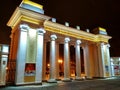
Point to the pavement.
(95, 84)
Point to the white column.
(87, 61)
(108, 59)
(66, 60)
(44, 62)
(78, 60)
(39, 55)
(96, 63)
(101, 59)
(21, 54)
(53, 61)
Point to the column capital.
(108, 45)
(41, 31)
(78, 42)
(100, 44)
(53, 37)
(24, 27)
(67, 39)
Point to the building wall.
(13, 57)
(4, 51)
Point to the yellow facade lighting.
(102, 29)
(33, 4)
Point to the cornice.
(72, 32)
(21, 14)
(102, 38)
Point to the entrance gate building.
(36, 41)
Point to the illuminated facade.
(4, 52)
(115, 66)
(31, 33)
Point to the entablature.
(21, 14)
(72, 32)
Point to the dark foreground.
(103, 84)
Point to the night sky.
(86, 13)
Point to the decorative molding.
(108, 45)
(67, 39)
(21, 14)
(24, 27)
(53, 37)
(72, 32)
(32, 17)
(78, 42)
(41, 31)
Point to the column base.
(66, 80)
(58, 79)
(89, 78)
(2, 84)
(30, 83)
(98, 77)
(52, 81)
(44, 80)
(79, 78)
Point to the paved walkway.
(101, 84)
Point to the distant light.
(83, 78)
(48, 65)
(111, 59)
(119, 59)
(60, 61)
(6, 68)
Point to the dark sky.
(86, 13)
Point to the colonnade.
(39, 47)
(54, 50)
(22, 49)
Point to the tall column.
(66, 60)
(78, 60)
(108, 59)
(53, 61)
(21, 54)
(101, 59)
(87, 61)
(39, 55)
(44, 62)
(96, 63)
